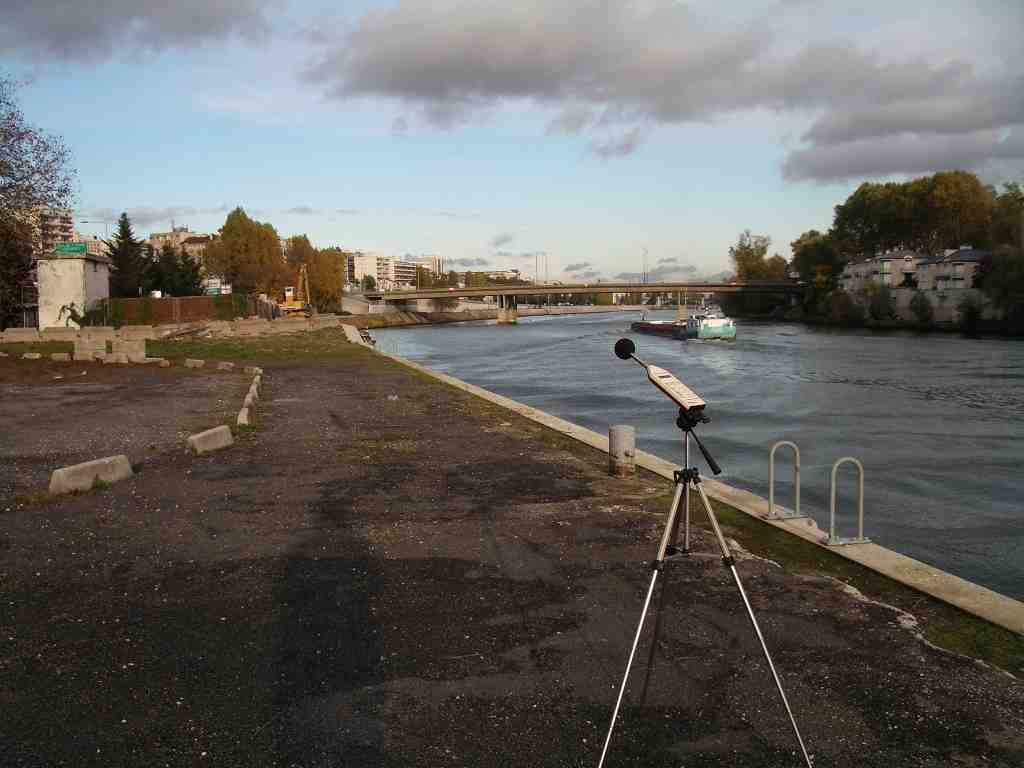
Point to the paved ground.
(57, 414)
(357, 585)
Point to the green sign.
(71, 248)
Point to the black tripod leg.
(728, 560)
(658, 562)
(653, 649)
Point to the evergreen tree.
(15, 266)
(129, 264)
(190, 275)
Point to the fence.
(176, 310)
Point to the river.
(937, 420)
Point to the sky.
(602, 134)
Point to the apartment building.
(50, 227)
(194, 243)
(908, 269)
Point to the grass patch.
(325, 344)
(34, 499)
(942, 624)
(42, 347)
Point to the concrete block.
(225, 366)
(82, 477)
(190, 363)
(165, 363)
(211, 440)
(250, 401)
(20, 335)
(60, 357)
(137, 332)
(245, 417)
(31, 356)
(254, 391)
(252, 370)
(117, 358)
(3, 354)
(133, 349)
(57, 333)
(149, 361)
(83, 357)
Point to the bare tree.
(35, 172)
(34, 166)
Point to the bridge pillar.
(507, 312)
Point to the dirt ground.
(58, 414)
(388, 572)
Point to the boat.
(705, 323)
(709, 324)
(668, 328)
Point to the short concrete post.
(621, 450)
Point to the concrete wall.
(64, 281)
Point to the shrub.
(922, 308)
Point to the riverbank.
(403, 319)
(388, 571)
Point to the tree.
(816, 258)
(129, 264)
(174, 273)
(922, 308)
(326, 272)
(1008, 216)
(15, 266)
(299, 250)
(369, 283)
(748, 256)
(190, 274)
(247, 254)
(35, 173)
(34, 166)
(1003, 281)
(970, 314)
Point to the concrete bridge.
(508, 296)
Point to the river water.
(937, 420)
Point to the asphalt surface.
(391, 573)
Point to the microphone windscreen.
(624, 348)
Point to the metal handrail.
(771, 483)
(832, 539)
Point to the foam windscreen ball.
(624, 348)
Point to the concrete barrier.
(19, 335)
(82, 477)
(190, 363)
(60, 357)
(58, 333)
(225, 366)
(249, 402)
(31, 356)
(83, 357)
(245, 417)
(211, 440)
(137, 332)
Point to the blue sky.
(589, 131)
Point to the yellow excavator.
(296, 298)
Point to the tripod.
(685, 479)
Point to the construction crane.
(297, 299)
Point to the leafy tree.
(1008, 216)
(174, 273)
(922, 308)
(1003, 281)
(15, 266)
(248, 255)
(299, 250)
(748, 256)
(326, 272)
(816, 258)
(369, 283)
(129, 263)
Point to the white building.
(70, 276)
